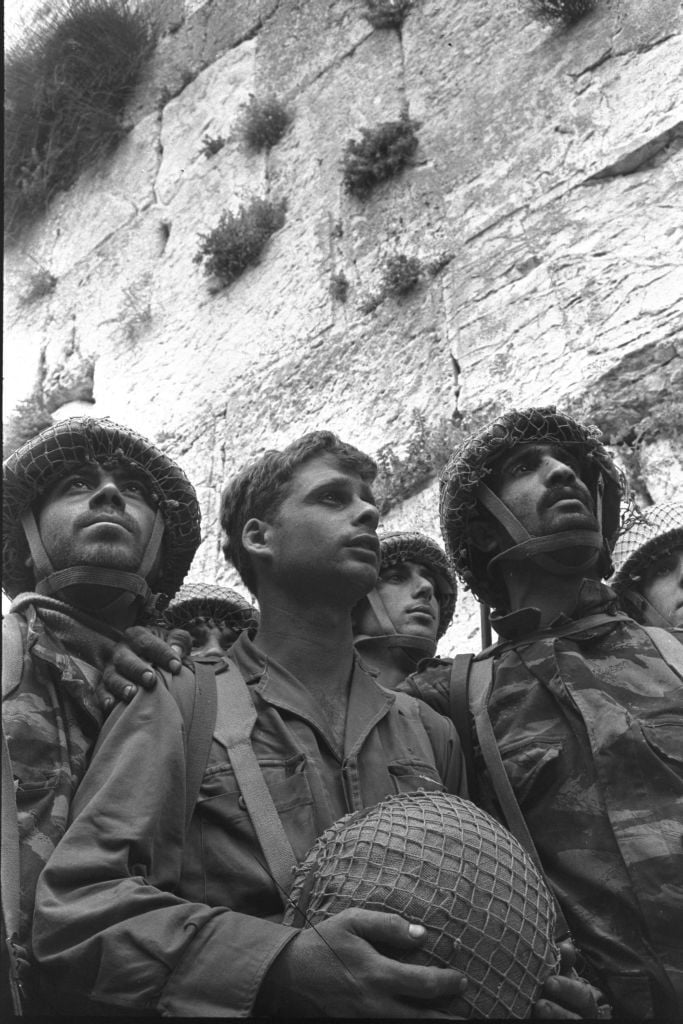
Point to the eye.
(331, 498)
(135, 488)
(77, 483)
(396, 575)
(661, 568)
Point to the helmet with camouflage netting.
(396, 548)
(650, 535)
(209, 602)
(62, 448)
(464, 493)
(441, 862)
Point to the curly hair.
(260, 488)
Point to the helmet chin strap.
(129, 586)
(389, 637)
(539, 550)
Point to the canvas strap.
(235, 720)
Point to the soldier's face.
(663, 586)
(97, 517)
(322, 542)
(542, 487)
(211, 639)
(408, 594)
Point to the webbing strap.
(481, 678)
(12, 663)
(459, 713)
(235, 719)
(200, 734)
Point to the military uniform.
(590, 729)
(51, 721)
(133, 913)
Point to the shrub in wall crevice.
(566, 12)
(66, 86)
(238, 239)
(387, 13)
(379, 154)
(263, 122)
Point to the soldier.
(99, 529)
(213, 616)
(403, 618)
(584, 704)
(135, 912)
(648, 557)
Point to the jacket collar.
(368, 701)
(594, 597)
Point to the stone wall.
(544, 198)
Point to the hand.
(336, 971)
(134, 660)
(566, 996)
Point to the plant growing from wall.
(379, 154)
(387, 13)
(39, 284)
(28, 419)
(400, 275)
(428, 450)
(339, 286)
(566, 12)
(66, 86)
(238, 239)
(263, 122)
(211, 144)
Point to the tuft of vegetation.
(567, 12)
(40, 283)
(238, 239)
(263, 122)
(428, 450)
(401, 274)
(387, 13)
(28, 419)
(339, 286)
(66, 86)
(379, 154)
(211, 144)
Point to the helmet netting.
(402, 546)
(30, 471)
(653, 532)
(209, 601)
(439, 861)
(473, 461)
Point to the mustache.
(564, 491)
(120, 518)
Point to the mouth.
(367, 542)
(567, 494)
(421, 609)
(106, 520)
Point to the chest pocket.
(225, 865)
(533, 769)
(411, 775)
(665, 737)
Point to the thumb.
(388, 929)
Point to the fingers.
(181, 643)
(113, 687)
(567, 955)
(128, 666)
(146, 645)
(567, 999)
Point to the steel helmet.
(440, 861)
(38, 463)
(652, 533)
(463, 493)
(409, 546)
(209, 601)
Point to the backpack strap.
(235, 720)
(198, 707)
(481, 680)
(12, 665)
(459, 714)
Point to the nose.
(422, 587)
(557, 471)
(107, 493)
(367, 515)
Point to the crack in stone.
(642, 156)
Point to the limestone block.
(209, 105)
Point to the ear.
(483, 535)
(256, 537)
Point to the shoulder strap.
(667, 643)
(235, 720)
(199, 733)
(459, 713)
(481, 679)
(12, 664)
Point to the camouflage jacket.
(590, 729)
(51, 721)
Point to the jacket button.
(241, 803)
